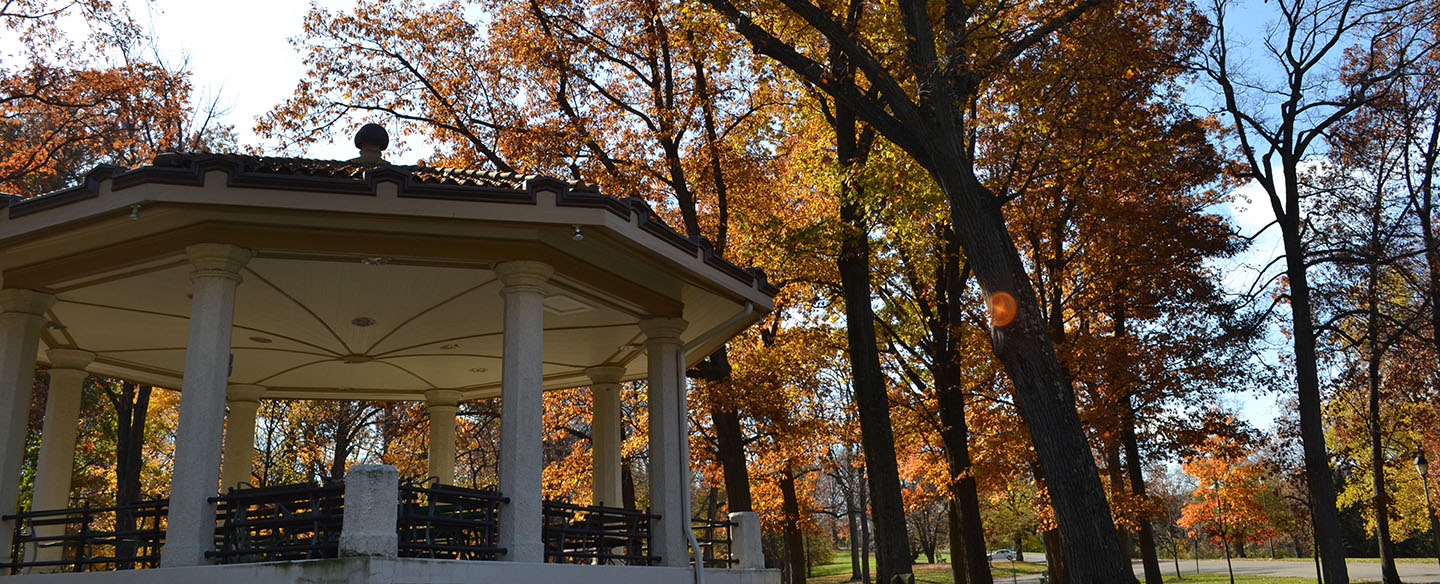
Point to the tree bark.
(1043, 395)
(851, 510)
(1115, 472)
(892, 549)
(968, 561)
(1149, 557)
(1055, 557)
(1324, 515)
(794, 539)
(864, 532)
(1381, 501)
(132, 404)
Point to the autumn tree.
(1226, 505)
(640, 98)
(1281, 102)
(920, 101)
(68, 104)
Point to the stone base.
(404, 571)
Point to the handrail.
(574, 534)
(90, 538)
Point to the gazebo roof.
(370, 280)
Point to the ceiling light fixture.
(363, 321)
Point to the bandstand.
(239, 278)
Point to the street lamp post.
(1424, 467)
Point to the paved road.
(1425, 573)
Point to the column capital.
(663, 328)
(443, 397)
(217, 259)
(23, 301)
(605, 374)
(524, 273)
(239, 392)
(69, 359)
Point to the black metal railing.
(89, 538)
(714, 540)
(283, 522)
(444, 521)
(575, 534)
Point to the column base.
(182, 554)
(524, 552)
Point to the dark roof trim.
(363, 179)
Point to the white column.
(22, 315)
(243, 401)
(669, 440)
(520, 408)
(443, 404)
(605, 435)
(191, 530)
(56, 463)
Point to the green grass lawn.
(838, 570)
(1225, 579)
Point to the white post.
(669, 440)
(191, 529)
(745, 545)
(22, 315)
(605, 435)
(243, 401)
(520, 408)
(56, 463)
(443, 403)
(368, 525)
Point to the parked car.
(1002, 556)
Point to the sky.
(241, 52)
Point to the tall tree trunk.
(1381, 501)
(627, 485)
(1043, 394)
(794, 539)
(1055, 557)
(892, 549)
(132, 404)
(968, 561)
(1116, 475)
(730, 451)
(864, 533)
(1324, 515)
(1148, 554)
(851, 511)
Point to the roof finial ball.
(371, 140)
